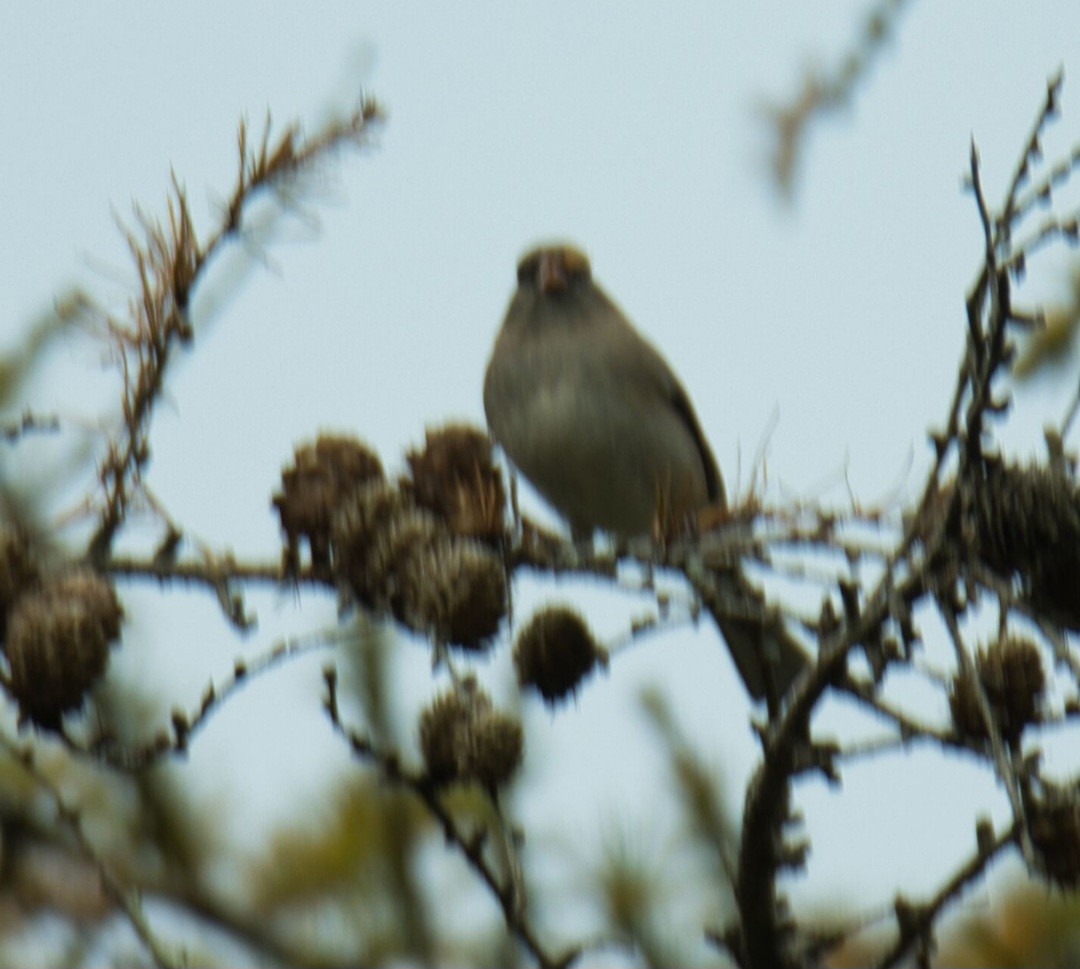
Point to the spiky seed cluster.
(1028, 525)
(1055, 833)
(1012, 677)
(57, 644)
(18, 570)
(401, 559)
(456, 478)
(374, 537)
(464, 738)
(555, 652)
(322, 477)
(455, 591)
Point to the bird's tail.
(767, 656)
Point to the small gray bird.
(594, 417)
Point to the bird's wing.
(650, 370)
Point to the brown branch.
(219, 574)
(1051, 230)
(916, 921)
(1002, 760)
(170, 262)
(175, 741)
(470, 845)
(29, 423)
(1017, 206)
(209, 572)
(762, 941)
(907, 727)
(764, 936)
(761, 853)
(822, 92)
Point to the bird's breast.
(589, 438)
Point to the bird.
(593, 416)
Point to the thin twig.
(823, 92)
(392, 770)
(185, 725)
(1017, 206)
(29, 423)
(1003, 764)
(170, 262)
(916, 920)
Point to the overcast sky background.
(639, 136)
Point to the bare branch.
(916, 921)
(129, 757)
(170, 261)
(825, 92)
(471, 846)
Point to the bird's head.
(554, 271)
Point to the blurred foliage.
(642, 884)
(630, 880)
(1053, 346)
(709, 827)
(347, 864)
(338, 849)
(1030, 926)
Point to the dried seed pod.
(1012, 677)
(58, 644)
(1028, 525)
(322, 477)
(390, 557)
(464, 738)
(442, 727)
(358, 527)
(554, 652)
(1055, 833)
(497, 744)
(400, 559)
(18, 570)
(456, 478)
(455, 591)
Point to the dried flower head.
(323, 476)
(456, 478)
(1055, 833)
(1028, 525)
(464, 738)
(390, 557)
(555, 652)
(400, 559)
(18, 570)
(58, 644)
(1011, 673)
(358, 527)
(454, 591)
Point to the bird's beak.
(551, 274)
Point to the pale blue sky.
(636, 135)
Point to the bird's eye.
(526, 272)
(553, 270)
(577, 266)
